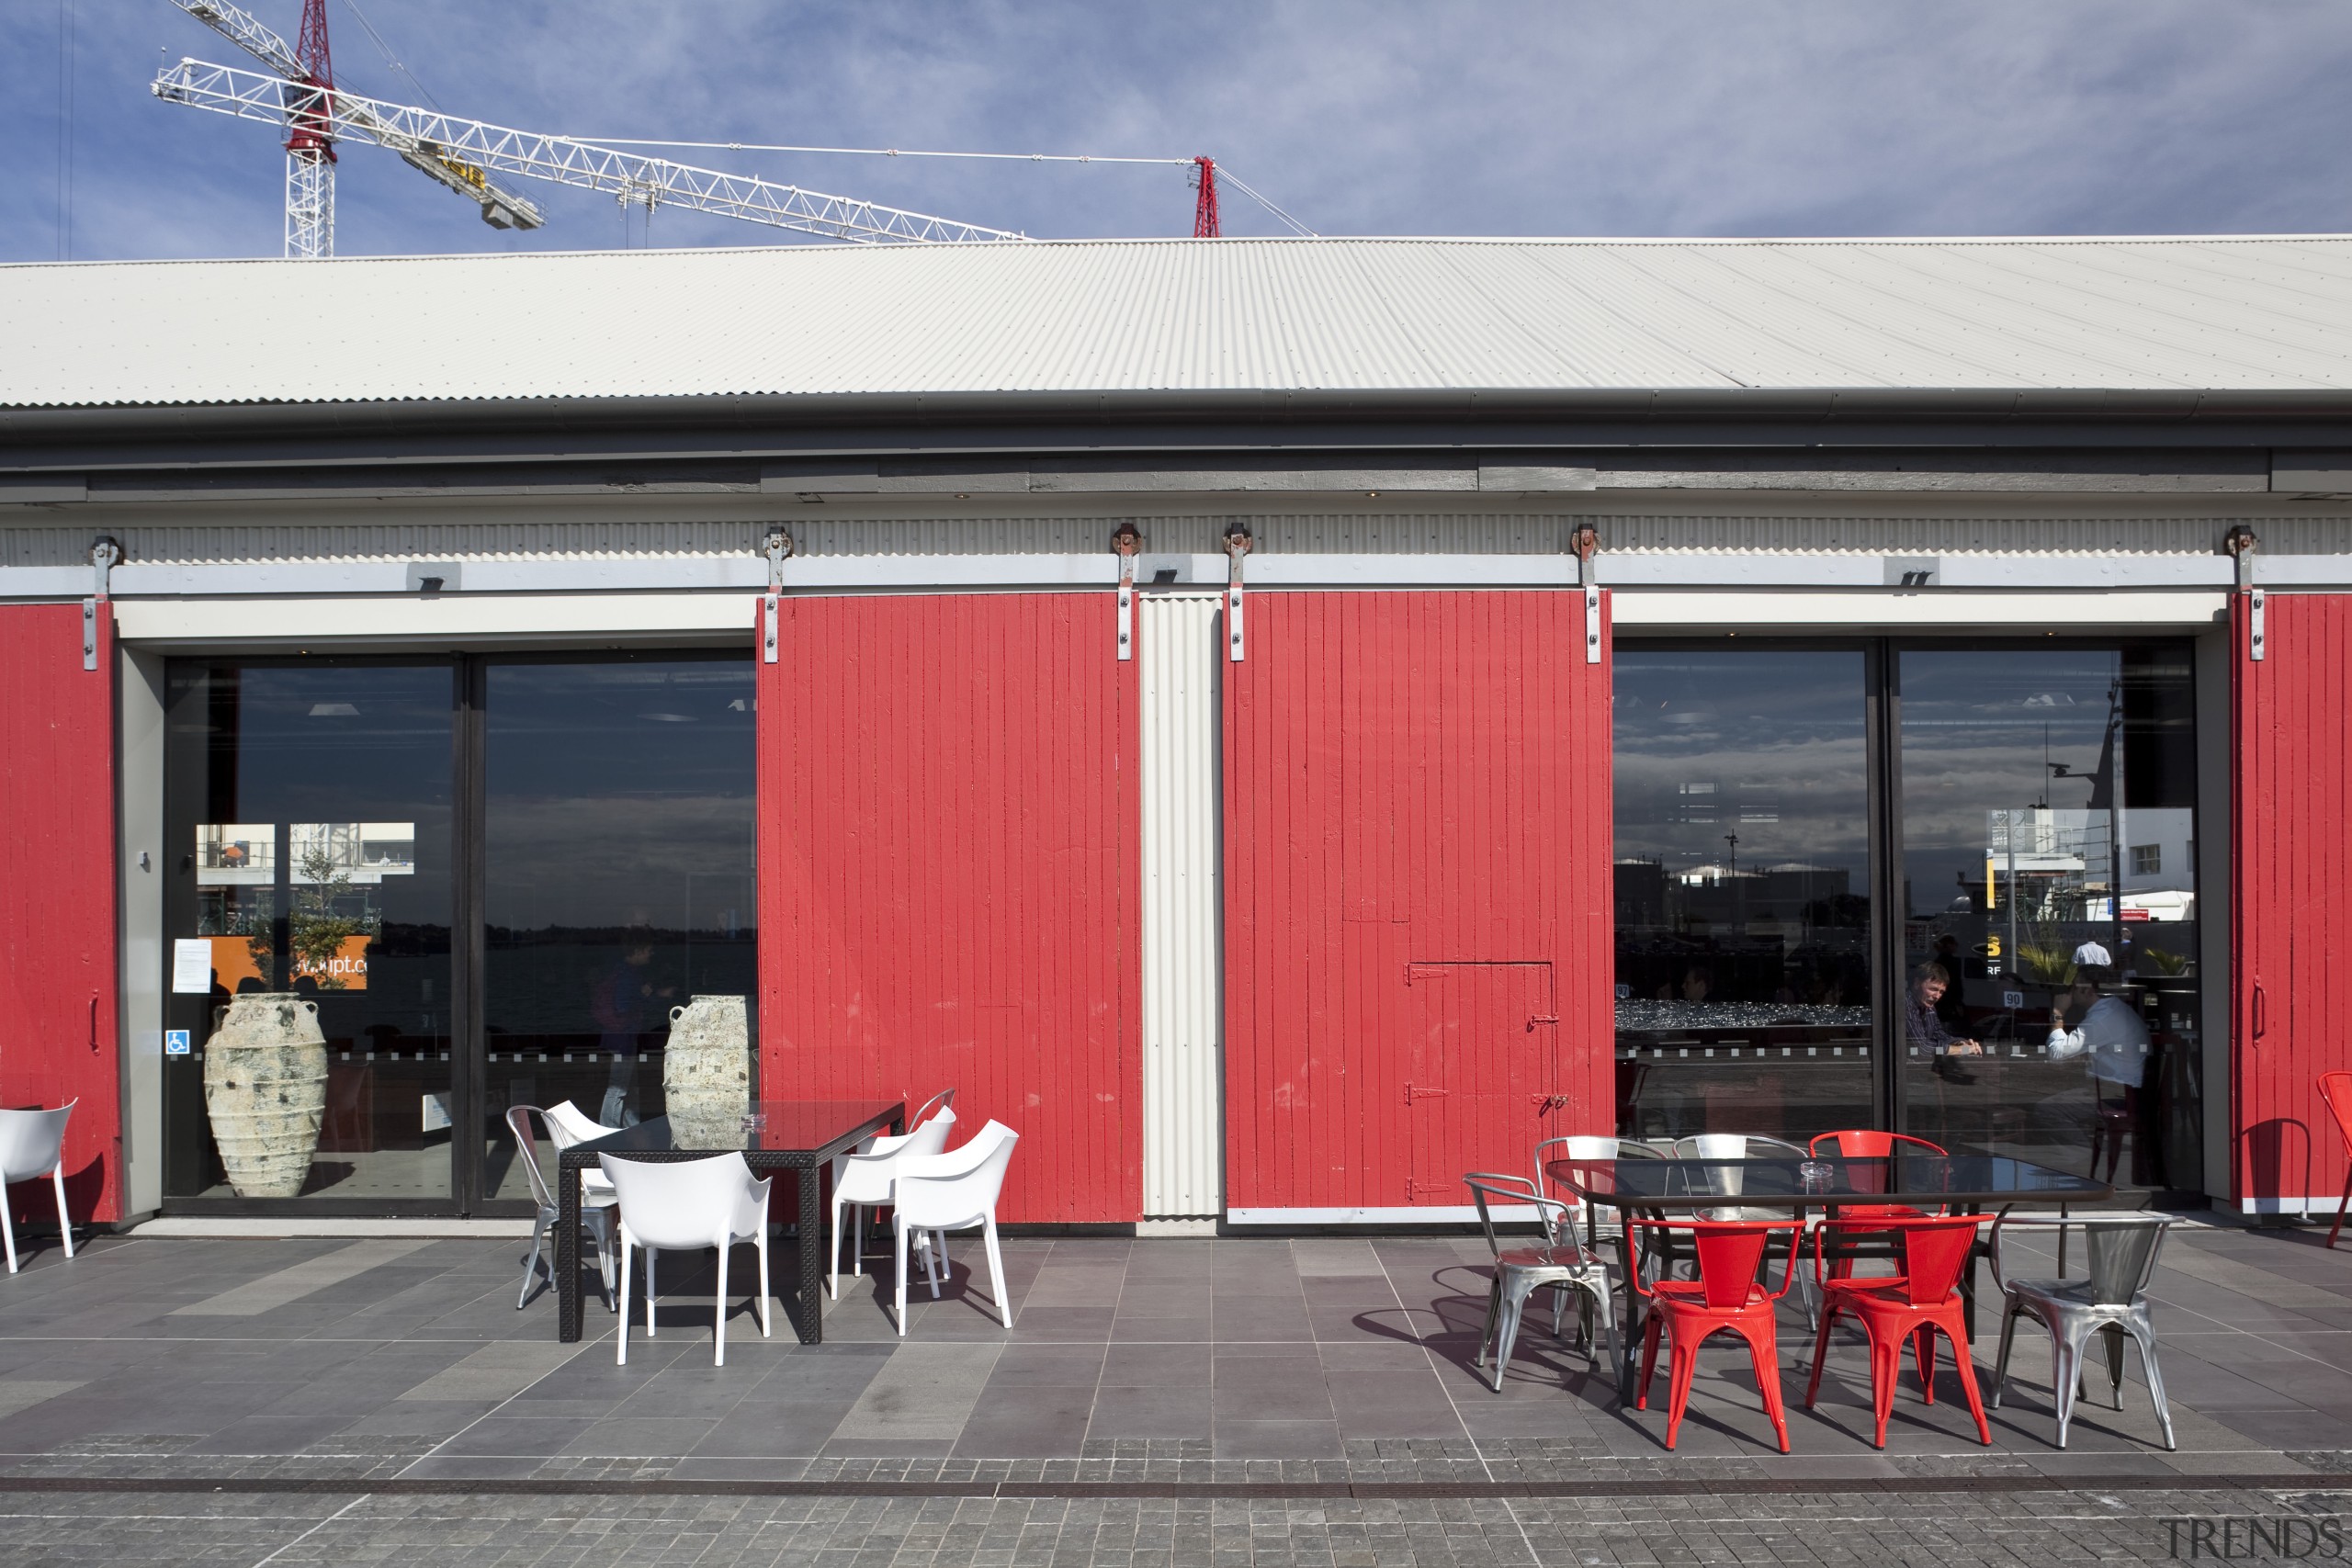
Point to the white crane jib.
(459, 144)
(311, 180)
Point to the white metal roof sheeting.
(1341, 316)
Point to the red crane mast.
(1204, 206)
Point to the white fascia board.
(47, 583)
(1766, 569)
(438, 619)
(1436, 1215)
(1952, 609)
(820, 573)
(2302, 571)
(1304, 570)
(609, 574)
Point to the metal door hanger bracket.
(1236, 545)
(2254, 623)
(1126, 540)
(104, 553)
(1592, 625)
(777, 545)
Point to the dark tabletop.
(1773, 1183)
(783, 1126)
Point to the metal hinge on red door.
(2241, 544)
(1126, 543)
(1411, 1093)
(777, 547)
(1417, 1190)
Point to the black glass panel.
(618, 845)
(2049, 864)
(1742, 893)
(311, 825)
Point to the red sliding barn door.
(949, 813)
(2292, 906)
(58, 1038)
(1418, 962)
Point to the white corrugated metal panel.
(833, 533)
(2211, 313)
(1183, 994)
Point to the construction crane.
(452, 140)
(310, 105)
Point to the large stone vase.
(264, 1089)
(707, 1073)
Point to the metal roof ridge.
(1547, 242)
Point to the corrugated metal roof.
(2199, 314)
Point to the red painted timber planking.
(2291, 906)
(1416, 848)
(950, 882)
(58, 1038)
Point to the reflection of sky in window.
(620, 794)
(1977, 727)
(1770, 745)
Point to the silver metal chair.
(1745, 1146)
(1520, 1272)
(1601, 1222)
(595, 1207)
(2112, 1303)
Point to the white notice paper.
(191, 965)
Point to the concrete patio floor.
(1308, 1398)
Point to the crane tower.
(310, 142)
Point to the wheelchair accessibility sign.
(175, 1043)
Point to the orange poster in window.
(233, 963)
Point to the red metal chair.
(1725, 1296)
(1916, 1304)
(1864, 1143)
(1867, 1144)
(2336, 1090)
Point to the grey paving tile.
(640, 1437)
(1143, 1366)
(1023, 1423)
(1277, 1439)
(512, 1435)
(1169, 1411)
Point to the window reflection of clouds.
(1976, 730)
(591, 863)
(1778, 735)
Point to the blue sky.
(1664, 118)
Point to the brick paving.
(1236, 1401)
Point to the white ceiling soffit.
(1342, 316)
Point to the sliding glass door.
(1944, 889)
(311, 855)
(487, 881)
(618, 877)
(1743, 892)
(2049, 844)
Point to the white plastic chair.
(32, 1143)
(862, 1182)
(954, 1192)
(595, 1208)
(687, 1206)
(567, 1126)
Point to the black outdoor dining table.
(801, 1135)
(1966, 1184)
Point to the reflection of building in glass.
(229, 855)
(2060, 864)
(364, 851)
